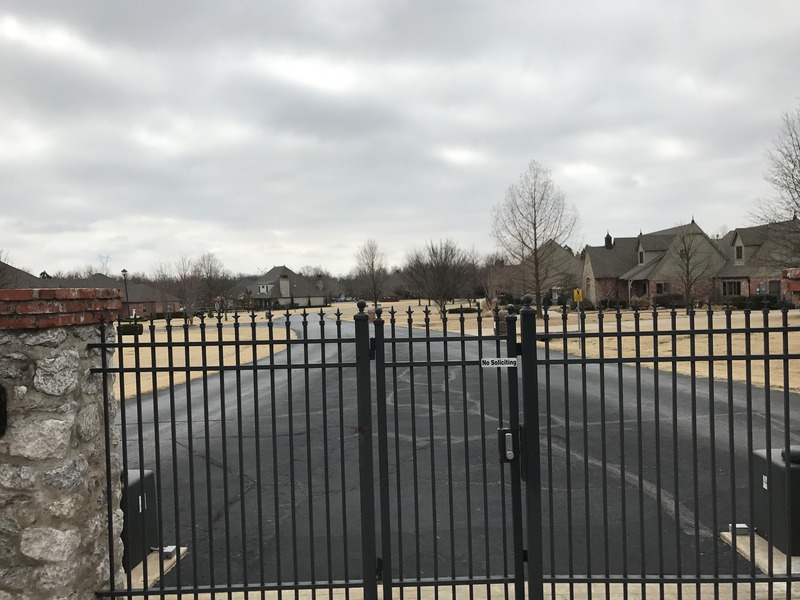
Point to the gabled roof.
(611, 263)
(768, 249)
(299, 286)
(652, 242)
(12, 277)
(622, 261)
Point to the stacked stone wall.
(53, 476)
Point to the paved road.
(258, 468)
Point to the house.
(761, 260)
(603, 268)
(559, 273)
(673, 263)
(14, 278)
(280, 287)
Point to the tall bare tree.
(440, 271)
(190, 285)
(783, 173)
(370, 273)
(783, 168)
(696, 260)
(320, 277)
(533, 213)
(491, 274)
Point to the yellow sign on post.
(577, 295)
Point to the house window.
(731, 288)
(641, 257)
(775, 287)
(262, 289)
(739, 253)
(662, 288)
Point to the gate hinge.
(519, 348)
(379, 569)
(372, 348)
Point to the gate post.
(533, 477)
(365, 465)
(385, 569)
(516, 485)
(59, 487)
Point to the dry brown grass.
(657, 341)
(719, 346)
(176, 356)
(618, 341)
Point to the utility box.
(140, 517)
(772, 504)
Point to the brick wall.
(57, 307)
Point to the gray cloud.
(276, 133)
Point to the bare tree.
(370, 273)
(320, 277)
(440, 271)
(783, 168)
(190, 286)
(216, 278)
(696, 259)
(491, 275)
(533, 213)
(781, 213)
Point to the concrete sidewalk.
(562, 591)
(558, 591)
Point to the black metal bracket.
(507, 445)
(3, 412)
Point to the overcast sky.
(291, 132)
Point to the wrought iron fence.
(306, 451)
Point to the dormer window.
(641, 257)
(740, 254)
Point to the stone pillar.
(53, 502)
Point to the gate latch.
(506, 445)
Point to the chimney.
(284, 286)
(609, 244)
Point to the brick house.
(661, 263)
(761, 260)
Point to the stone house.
(280, 287)
(603, 267)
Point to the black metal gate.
(388, 454)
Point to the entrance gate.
(306, 453)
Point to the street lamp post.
(127, 304)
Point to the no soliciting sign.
(499, 362)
